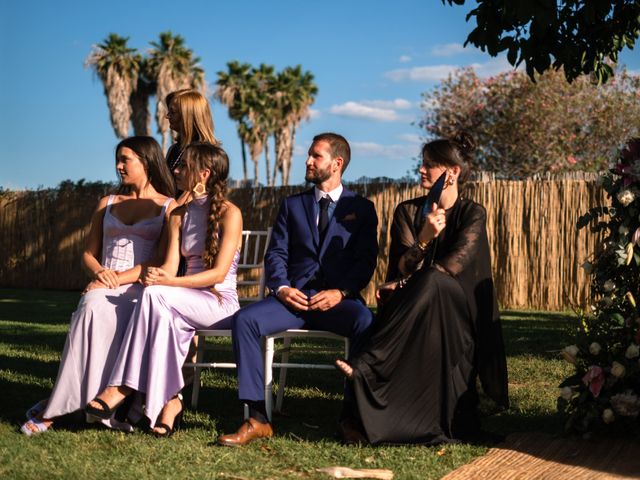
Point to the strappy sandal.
(40, 427)
(36, 409)
(168, 431)
(104, 413)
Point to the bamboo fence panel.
(531, 224)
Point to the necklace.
(175, 163)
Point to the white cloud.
(397, 104)
(420, 74)
(360, 110)
(410, 137)
(447, 50)
(313, 113)
(372, 149)
(380, 110)
(432, 73)
(404, 58)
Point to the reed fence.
(536, 247)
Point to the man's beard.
(317, 176)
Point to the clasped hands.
(155, 276)
(322, 301)
(105, 278)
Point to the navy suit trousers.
(349, 318)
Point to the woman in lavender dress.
(124, 236)
(208, 228)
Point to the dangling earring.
(199, 189)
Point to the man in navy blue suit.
(322, 253)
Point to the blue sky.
(371, 61)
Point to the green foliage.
(579, 36)
(33, 326)
(604, 391)
(524, 128)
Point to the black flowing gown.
(415, 382)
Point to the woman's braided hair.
(200, 156)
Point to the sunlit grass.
(33, 325)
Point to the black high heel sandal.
(168, 431)
(103, 413)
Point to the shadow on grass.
(537, 335)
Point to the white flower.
(623, 230)
(625, 197)
(617, 370)
(566, 393)
(588, 267)
(572, 350)
(632, 351)
(626, 404)
(608, 286)
(608, 416)
(569, 353)
(635, 239)
(595, 348)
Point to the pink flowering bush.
(604, 392)
(523, 128)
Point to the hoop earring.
(199, 189)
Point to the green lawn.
(33, 325)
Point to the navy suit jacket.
(347, 257)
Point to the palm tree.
(232, 91)
(172, 66)
(295, 94)
(117, 66)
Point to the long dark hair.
(453, 152)
(150, 154)
(197, 157)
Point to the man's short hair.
(339, 146)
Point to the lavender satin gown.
(165, 319)
(98, 324)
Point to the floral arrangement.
(604, 392)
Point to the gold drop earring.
(199, 189)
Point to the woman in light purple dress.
(124, 236)
(208, 231)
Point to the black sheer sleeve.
(461, 248)
(403, 240)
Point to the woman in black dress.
(438, 327)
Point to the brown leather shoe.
(250, 430)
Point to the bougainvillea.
(524, 128)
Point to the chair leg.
(284, 358)
(268, 376)
(195, 391)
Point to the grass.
(33, 326)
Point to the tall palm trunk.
(140, 113)
(286, 164)
(244, 160)
(267, 161)
(118, 90)
(255, 150)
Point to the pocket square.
(348, 218)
